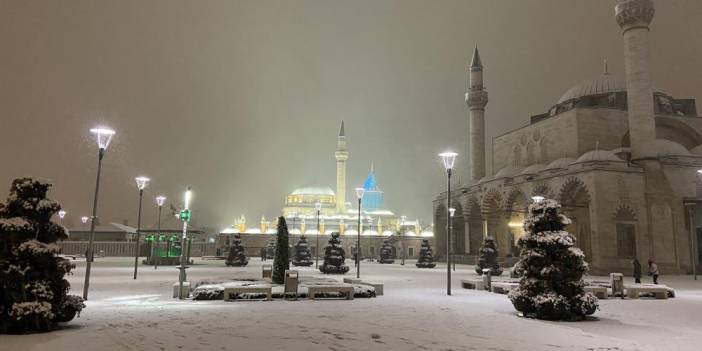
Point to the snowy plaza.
(413, 314)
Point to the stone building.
(620, 155)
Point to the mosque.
(336, 214)
(621, 156)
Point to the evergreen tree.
(237, 255)
(386, 253)
(281, 260)
(334, 257)
(551, 268)
(487, 257)
(33, 290)
(302, 256)
(426, 257)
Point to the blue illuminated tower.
(373, 197)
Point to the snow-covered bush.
(302, 256)
(334, 257)
(487, 257)
(386, 253)
(237, 256)
(33, 291)
(551, 268)
(426, 257)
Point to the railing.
(126, 249)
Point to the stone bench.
(599, 291)
(378, 287)
(228, 292)
(312, 291)
(659, 291)
(352, 281)
(503, 287)
(476, 284)
(186, 289)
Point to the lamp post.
(448, 158)
(141, 182)
(359, 195)
(453, 249)
(370, 239)
(103, 136)
(61, 214)
(317, 206)
(185, 217)
(160, 200)
(402, 231)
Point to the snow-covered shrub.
(551, 268)
(302, 256)
(334, 257)
(487, 258)
(33, 291)
(426, 257)
(237, 256)
(386, 253)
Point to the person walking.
(637, 270)
(653, 271)
(263, 253)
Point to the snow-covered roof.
(561, 163)
(598, 155)
(533, 169)
(662, 148)
(508, 171)
(313, 190)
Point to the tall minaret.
(634, 17)
(341, 156)
(477, 99)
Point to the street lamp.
(537, 198)
(103, 136)
(359, 195)
(160, 200)
(61, 214)
(317, 206)
(141, 183)
(185, 217)
(402, 231)
(370, 238)
(448, 158)
(84, 219)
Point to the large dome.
(598, 156)
(313, 190)
(604, 84)
(663, 148)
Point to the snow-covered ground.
(414, 314)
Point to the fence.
(126, 249)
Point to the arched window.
(625, 222)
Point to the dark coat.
(637, 269)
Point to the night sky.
(242, 100)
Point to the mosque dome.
(533, 169)
(560, 163)
(603, 84)
(697, 150)
(313, 190)
(598, 156)
(509, 171)
(663, 148)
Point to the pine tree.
(334, 257)
(302, 256)
(487, 257)
(551, 268)
(281, 261)
(386, 253)
(426, 257)
(33, 291)
(237, 255)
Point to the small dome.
(598, 156)
(697, 150)
(561, 163)
(312, 190)
(663, 148)
(533, 169)
(509, 171)
(604, 84)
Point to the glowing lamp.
(452, 211)
(142, 182)
(84, 219)
(537, 198)
(160, 200)
(103, 136)
(61, 214)
(360, 192)
(448, 158)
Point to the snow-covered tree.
(302, 256)
(270, 249)
(334, 257)
(487, 257)
(237, 256)
(386, 253)
(33, 291)
(551, 268)
(281, 260)
(426, 257)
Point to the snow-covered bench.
(229, 291)
(503, 287)
(599, 291)
(476, 284)
(659, 291)
(378, 287)
(352, 281)
(312, 291)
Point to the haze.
(242, 100)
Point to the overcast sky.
(242, 100)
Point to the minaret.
(341, 156)
(477, 99)
(634, 17)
